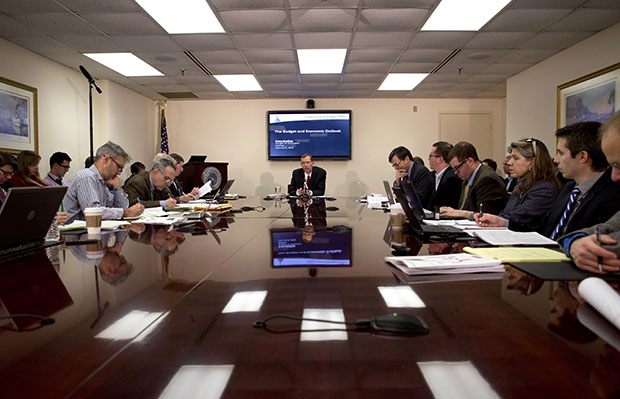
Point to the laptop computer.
(388, 192)
(423, 230)
(414, 201)
(25, 216)
(220, 192)
(197, 159)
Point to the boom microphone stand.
(91, 83)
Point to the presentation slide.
(320, 134)
(327, 248)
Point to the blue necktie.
(569, 205)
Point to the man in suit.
(481, 186)
(510, 182)
(598, 253)
(447, 187)
(175, 187)
(402, 161)
(60, 163)
(308, 176)
(151, 189)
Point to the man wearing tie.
(402, 161)
(151, 189)
(308, 179)
(60, 163)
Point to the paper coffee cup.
(93, 220)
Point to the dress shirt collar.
(438, 176)
(585, 186)
(473, 175)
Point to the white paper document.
(205, 189)
(599, 294)
(508, 237)
(165, 221)
(445, 264)
(105, 225)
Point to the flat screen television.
(327, 249)
(324, 134)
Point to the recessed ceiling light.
(401, 297)
(463, 15)
(182, 16)
(126, 64)
(321, 60)
(325, 331)
(245, 82)
(246, 301)
(402, 81)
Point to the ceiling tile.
(280, 86)
(526, 56)
(425, 93)
(434, 86)
(214, 95)
(322, 40)
(138, 23)
(312, 20)
(587, 20)
(506, 68)
(272, 68)
(43, 45)
(228, 69)
(367, 55)
(554, 40)
(205, 41)
(248, 94)
(278, 78)
(367, 67)
(264, 40)
(246, 4)
(270, 56)
(391, 94)
(255, 21)
(359, 86)
(323, 3)
(107, 6)
(525, 20)
(546, 3)
(424, 55)
(382, 39)
(148, 43)
(491, 78)
(399, 3)
(474, 56)
(57, 24)
(391, 19)
(413, 67)
(498, 40)
(93, 44)
(602, 4)
(163, 58)
(331, 79)
(463, 69)
(11, 27)
(19, 7)
(441, 40)
(363, 77)
(284, 93)
(320, 93)
(219, 57)
(355, 93)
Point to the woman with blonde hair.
(536, 188)
(27, 170)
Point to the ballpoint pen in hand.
(480, 214)
(598, 242)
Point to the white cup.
(93, 220)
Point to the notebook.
(25, 216)
(423, 230)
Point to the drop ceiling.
(382, 36)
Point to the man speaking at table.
(308, 179)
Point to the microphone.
(90, 79)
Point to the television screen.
(324, 134)
(327, 248)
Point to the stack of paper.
(445, 264)
(519, 254)
(508, 237)
(105, 225)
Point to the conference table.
(158, 312)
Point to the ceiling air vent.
(179, 94)
(446, 60)
(198, 63)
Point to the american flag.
(164, 133)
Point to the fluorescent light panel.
(182, 16)
(325, 314)
(198, 381)
(130, 325)
(449, 380)
(318, 61)
(461, 15)
(126, 64)
(239, 82)
(401, 297)
(402, 81)
(248, 301)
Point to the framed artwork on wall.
(19, 128)
(589, 98)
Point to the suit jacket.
(599, 204)
(611, 227)
(317, 181)
(530, 207)
(448, 192)
(487, 188)
(139, 186)
(176, 189)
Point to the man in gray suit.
(582, 245)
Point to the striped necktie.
(465, 194)
(569, 205)
(2, 195)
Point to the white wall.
(235, 131)
(531, 105)
(121, 115)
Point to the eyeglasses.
(66, 166)
(120, 168)
(397, 164)
(530, 140)
(7, 174)
(457, 167)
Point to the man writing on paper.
(402, 161)
(90, 188)
(151, 189)
(596, 249)
(308, 179)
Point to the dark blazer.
(176, 189)
(315, 214)
(449, 191)
(139, 186)
(529, 208)
(600, 203)
(317, 181)
(487, 188)
(423, 183)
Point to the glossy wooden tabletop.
(167, 314)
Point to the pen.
(139, 200)
(598, 242)
(480, 214)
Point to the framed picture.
(19, 129)
(589, 98)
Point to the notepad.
(508, 237)
(519, 254)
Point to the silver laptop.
(25, 216)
